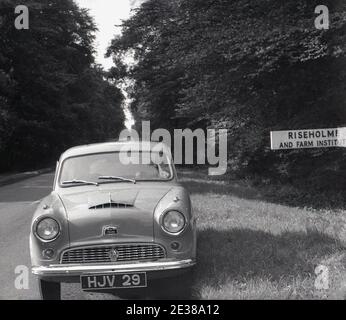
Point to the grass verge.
(253, 248)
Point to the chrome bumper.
(77, 270)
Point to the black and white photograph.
(172, 150)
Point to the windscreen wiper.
(117, 178)
(75, 181)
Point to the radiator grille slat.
(101, 254)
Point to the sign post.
(308, 138)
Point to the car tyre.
(49, 290)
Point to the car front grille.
(113, 253)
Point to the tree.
(53, 95)
(249, 66)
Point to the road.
(17, 205)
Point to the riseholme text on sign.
(308, 138)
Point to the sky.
(107, 14)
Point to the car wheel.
(49, 290)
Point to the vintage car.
(115, 225)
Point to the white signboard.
(309, 138)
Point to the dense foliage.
(52, 94)
(251, 66)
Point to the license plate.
(114, 281)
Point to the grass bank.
(251, 246)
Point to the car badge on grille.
(113, 254)
(110, 230)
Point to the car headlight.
(47, 229)
(173, 222)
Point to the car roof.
(114, 146)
